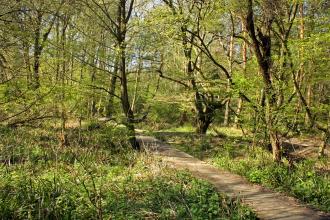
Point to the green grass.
(185, 128)
(213, 130)
(98, 177)
(303, 180)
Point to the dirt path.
(267, 204)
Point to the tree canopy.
(261, 66)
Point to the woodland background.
(79, 73)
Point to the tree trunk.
(37, 51)
(137, 81)
(93, 109)
(125, 100)
(262, 49)
(204, 114)
(112, 88)
(301, 56)
(204, 119)
(272, 133)
(113, 80)
(64, 140)
(238, 112)
(227, 108)
(230, 62)
(121, 38)
(27, 63)
(202, 126)
(183, 118)
(240, 101)
(326, 138)
(309, 102)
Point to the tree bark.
(125, 100)
(326, 138)
(93, 109)
(113, 80)
(238, 113)
(204, 120)
(240, 101)
(309, 102)
(64, 140)
(262, 49)
(301, 57)
(27, 62)
(121, 38)
(37, 51)
(137, 81)
(230, 62)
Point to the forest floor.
(266, 203)
(98, 176)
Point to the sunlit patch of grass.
(225, 131)
(186, 128)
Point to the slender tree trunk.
(238, 112)
(58, 52)
(113, 80)
(27, 62)
(125, 100)
(326, 138)
(64, 139)
(309, 102)
(227, 108)
(93, 109)
(301, 56)
(37, 51)
(272, 132)
(122, 25)
(112, 88)
(137, 81)
(72, 60)
(300, 77)
(240, 101)
(230, 62)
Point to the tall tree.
(116, 22)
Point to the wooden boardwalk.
(265, 203)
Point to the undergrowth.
(301, 179)
(98, 177)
